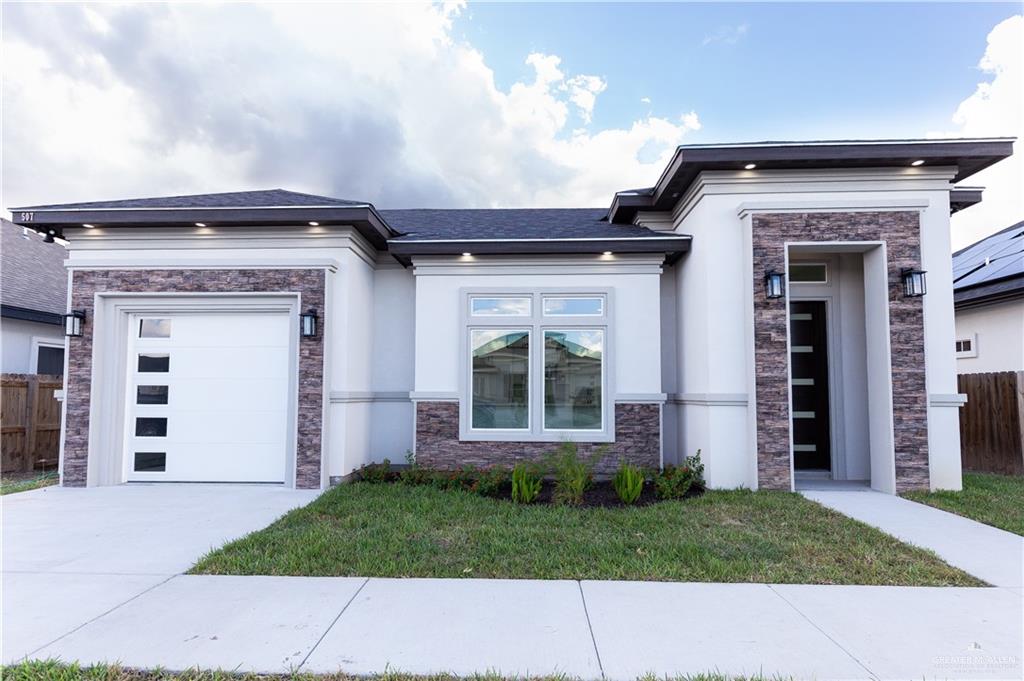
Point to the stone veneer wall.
(637, 440)
(86, 283)
(902, 235)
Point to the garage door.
(208, 397)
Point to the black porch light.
(307, 322)
(74, 323)
(914, 285)
(774, 284)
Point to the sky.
(483, 105)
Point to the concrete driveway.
(71, 555)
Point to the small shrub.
(376, 472)
(675, 481)
(628, 483)
(573, 475)
(491, 481)
(526, 483)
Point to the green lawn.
(57, 671)
(394, 530)
(23, 483)
(986, 497)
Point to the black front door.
(808, 343)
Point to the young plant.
(628, 483)
(526, 483)
(675, 481)
(491, 481)
(376, 472)
(573, 475)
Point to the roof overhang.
(673, 247)
(968, 156)
(964, 197)
(54, 221)
(29, 315)
(989, 292)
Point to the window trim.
(537, 323)
(823, 263)
(966, 354)
(38, 342)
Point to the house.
(988, 293)
(785, 307)
(33, 297)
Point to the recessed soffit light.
(918, 162)
(750, 166)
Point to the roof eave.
(675, 245)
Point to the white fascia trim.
(832, 206)
(641, 398)
(363, 396)
(434, 395)
(947, 400)
(101, 262)
(711, 399)
(102, 208)
(845, 143)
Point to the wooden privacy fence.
(992, 422)
(29, 422)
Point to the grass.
(996, 500)
(51, 670)
(12, 484)
(394, 530)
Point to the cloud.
(107, 101)
(727, 35)
(995, 109)
(645, 100)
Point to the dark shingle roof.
(508, 223)
(32, 274)
(266, 198)
(993, 258)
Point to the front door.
(808, 339)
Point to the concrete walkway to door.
(988, 553)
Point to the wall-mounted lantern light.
(74, 323)
(913, 283)
(774, 284)
(307, 322)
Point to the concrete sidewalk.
(613, 630)
(988, 553)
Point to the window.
(536, 367)
(500, 306)
(154, 363)
(50, 360)
(146, 426)
(154, 328)
(501, 377)
(574, 307)
(150, 462)
(808, 273)
(151, 394)
(967, 346)
(573, 379)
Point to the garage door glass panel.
(150, 462)
(147, 426)
(154, 328)
(151, 394)
(154, 363)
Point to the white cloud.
(996, 109)
(645, 100)
(110, 101)
(727, 35)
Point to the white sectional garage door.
(208, 397)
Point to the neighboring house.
(33, 297)
(988, 291)
(272, 336)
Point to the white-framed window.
(967, 346)
(808, 272)
(536, 366)
(46, 356)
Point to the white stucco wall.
(997, 334)
(19, 340)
